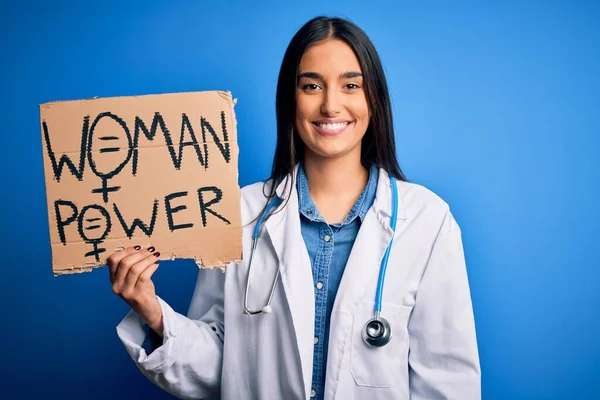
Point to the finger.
(114, 260)
(136, 270)
(146, 275)
(129, 261)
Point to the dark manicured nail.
(151, 249)
(137, 247)
(157, 254)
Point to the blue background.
(497, 109)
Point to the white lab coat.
(216, 350)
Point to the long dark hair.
(378, 144)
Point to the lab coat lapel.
(296, 274)
(363, 265)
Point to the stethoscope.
(377, 332)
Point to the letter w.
(57, 167)
(137, 223)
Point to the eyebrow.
(316, 75)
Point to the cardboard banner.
(156, 169)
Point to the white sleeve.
(443, 358)
(189, 362)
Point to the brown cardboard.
(128, 161)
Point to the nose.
(331, 103)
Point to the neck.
(340, 178)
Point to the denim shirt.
(329, 248)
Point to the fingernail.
(157, 254)
(151, 249)
(137, 247)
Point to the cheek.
(300, 110)
(306, 109)
(301, 120)
(301, 99)
(359, 109)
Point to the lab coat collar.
(383, 198)
(288, 185)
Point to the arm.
(189, 361)
(443, 358)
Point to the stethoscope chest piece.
(377, 332)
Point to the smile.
(331, 128)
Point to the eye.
(310, 87)
(351, 86)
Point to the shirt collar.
(308, 208)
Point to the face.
(332, 113)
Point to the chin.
(330, 152)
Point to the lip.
(331, 132)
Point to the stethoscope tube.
(255, 235)
(377, 332)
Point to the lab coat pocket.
(385, 366)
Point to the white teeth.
(333, 127)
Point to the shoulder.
(253, 200)
(424, 205)
(419, 197)
(255, 191)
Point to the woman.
(339, 200)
